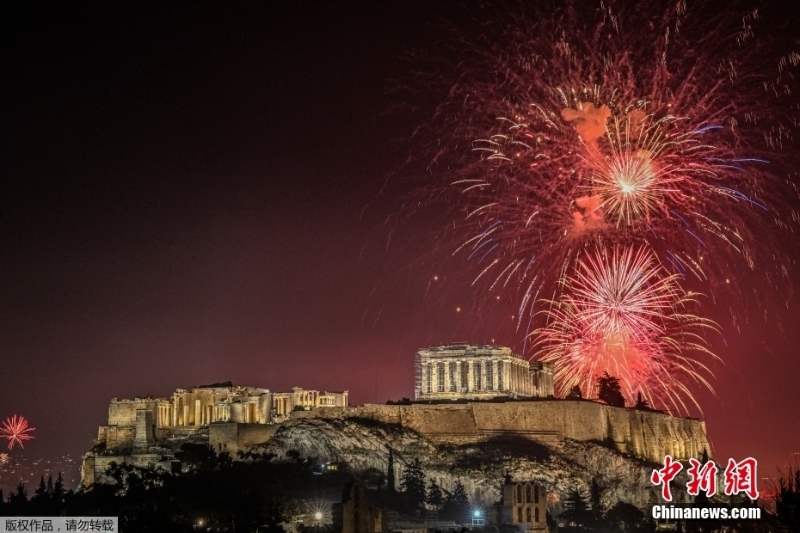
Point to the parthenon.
(457, 371)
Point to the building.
(205, 405)
(523, 504)
(147, 431)
(464, 371)
(353, 515)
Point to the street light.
(477, 517)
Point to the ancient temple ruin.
(228, 418)
(464, 371)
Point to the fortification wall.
(232, 437)
(646, 434)
(123, 412)
(120, 437)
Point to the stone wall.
(120, 437)
(646, 434)
(232, 437)
(123, 412)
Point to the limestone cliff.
(480, 466)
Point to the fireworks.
(619, 128)
(623, 313)
(15, 430)
(591, 127)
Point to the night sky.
(192, 193)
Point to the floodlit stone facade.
(354, 515)
(465, 394)
(229, 418)
(464, 371)
(523, 504)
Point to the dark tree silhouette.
(435, 497)
(597, 519)
(273, 517)
(197, 457)
(576, 510)
(610, 391)
(413, 484)
(787, 499)
(641, 402)
(624, 517)
(575, 392)
(374, 478)
(390, 473)
(58, 489)
(41, 492)
(456, 503)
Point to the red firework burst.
(569, 127)
(15, 430)
(624, 314)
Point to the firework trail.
(657, 126)
(649, 127)
(621, 312)
(15, 430)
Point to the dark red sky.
(181, 198)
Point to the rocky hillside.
(363, 445)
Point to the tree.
(787, 499)
(610, 391)
(456, 503)
(41, 492)
(20, 497)
(390, 473)
(576, 511)
(625, 517)
(595, 495)
(575, 392)
(435, 497)
(374, 478)
(273, 517)
(58, 489)
(199, 456)
(595, 501)
(641, 402)
(413, 484)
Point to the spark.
(604, 133)
(15, 430)
(623, 313)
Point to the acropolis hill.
(465, 396)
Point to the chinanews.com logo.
(739, 478)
